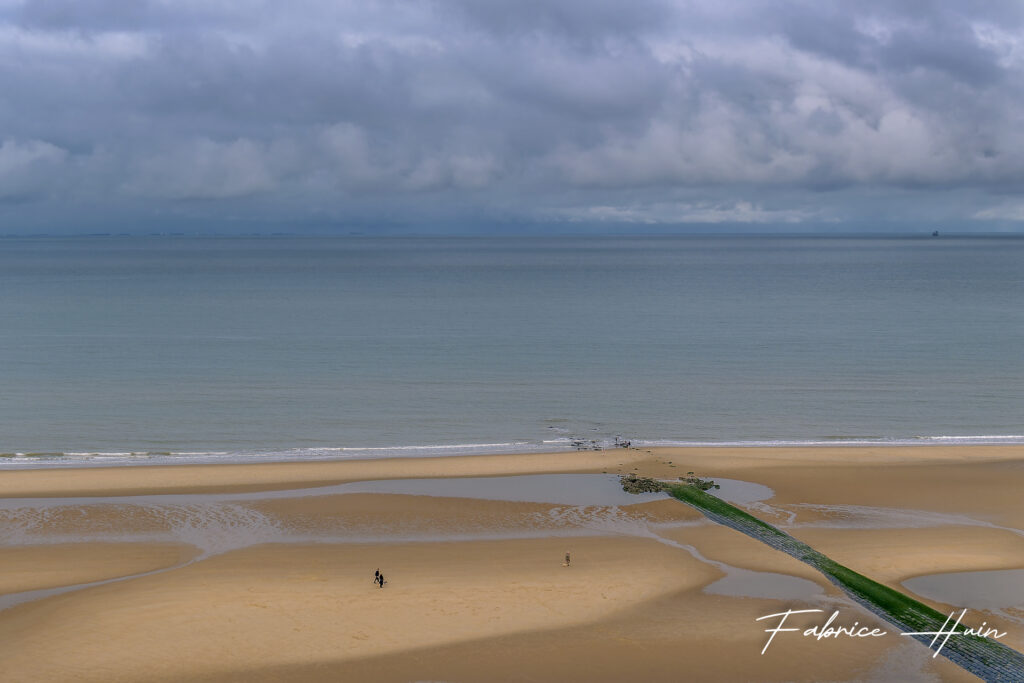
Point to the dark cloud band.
(463, 114)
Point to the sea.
(158, 349)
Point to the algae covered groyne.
(983, 657)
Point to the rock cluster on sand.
(634, 484)
(702, 484)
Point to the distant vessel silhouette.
(935, 234)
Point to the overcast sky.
(525, 115)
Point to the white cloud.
(1006, 212)
(27, 167)
(612, 111)
(681, 213)
(204, 169)
(15, 41)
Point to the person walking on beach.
(566, 558)
(380, 579)
(376, 575)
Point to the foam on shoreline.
(86, 458)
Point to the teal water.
(209, 349)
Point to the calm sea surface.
(203, 349)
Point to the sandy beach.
(263, 572)
(513, 342)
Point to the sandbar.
(280, 587)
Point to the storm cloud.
(474, 115)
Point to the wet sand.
(265, 587)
